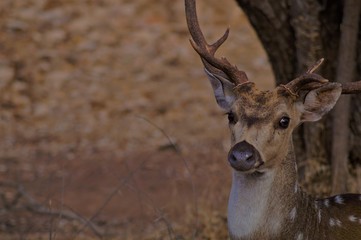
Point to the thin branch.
(35, 207)
(176, 149)
(159, 212)
(110, 197)
(351, 87)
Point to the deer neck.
(261, 204)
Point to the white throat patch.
(247, 205)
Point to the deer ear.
(319, 101)
(223, 90)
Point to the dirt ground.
(108, 126)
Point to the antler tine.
(310, 80)
(316, 65)
(207, 51)
(306, 81)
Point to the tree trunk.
(345, 73)
(295, 34)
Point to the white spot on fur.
(339, 199)
(299, 236)
(293, 214)
(326, 202)
(296, 187)
(319, 216)
(352, 218)
(332, 222)
(338, 222)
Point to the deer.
(266, 200)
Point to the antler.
(306, 81)
(310, 80)
(206, 51)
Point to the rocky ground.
(108, 126)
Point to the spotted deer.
(266, 201)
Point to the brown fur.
(258, 114)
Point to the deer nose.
(243, 156)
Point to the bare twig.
(161, 216)
(130, 176)
(51, 222)
(144, 197)
(35, 207)
(110, 197)
(195, 198)
(351, 87)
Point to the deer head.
(261, 122)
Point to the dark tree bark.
(345, 73)
(295, 34)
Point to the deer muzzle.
(244, 157)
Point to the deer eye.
(284, 122)
(231, 118)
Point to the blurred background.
(108, 125)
